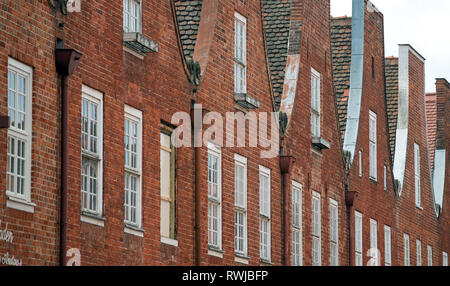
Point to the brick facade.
(284, 42)
(372, 201)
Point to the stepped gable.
(276, 17)
(188, 17)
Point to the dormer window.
(316, 133)
(132, 16)
(134, 41)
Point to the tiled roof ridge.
(341, 48)
(276, 24)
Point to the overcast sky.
(424, 24)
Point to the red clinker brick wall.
(319, 171)
(373, 202)
(27, 35)
(158, 86)
(443, 135)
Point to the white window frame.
(334, 233)
(169, 238)
(417, 183)
(240, 61)
(265, 214)
(316, 216)
(358, 239)
(444, 258)
(96, 97)
(406, 250)
(373, 145)
(418, 252)
(139, 17)
(387, 246)
(135, 116)
(240, 207)
(214, 150)
(316, 116)
(360, 163)
(297, 224)
(430, 255)
(14, 199)
(385, 178)
(374, 243)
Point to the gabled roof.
(391, 71)
(188, 17)
(276, 20)
(341, 49)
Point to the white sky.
(424, 24)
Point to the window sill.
(213, 251)
(419, 207)
(19, 204)
(136, 231)
(92, 219)
(134, 53)
(169, 241)
(373, 180)
(320, 143)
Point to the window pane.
(213, 176)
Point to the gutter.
(286, 164)
(67, 61)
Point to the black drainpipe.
(4, 122)
(67, 61)
(350, 197)
(286, 165)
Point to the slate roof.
(276, 19)
(431, 109)
(188, 18)
(391, 72)
(341, 49)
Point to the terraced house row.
(92, 172)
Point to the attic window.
(373, 67)
(132, 15)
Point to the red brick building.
(95, 172)
(315, 183)
(226, 39)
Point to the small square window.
(132, 16)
